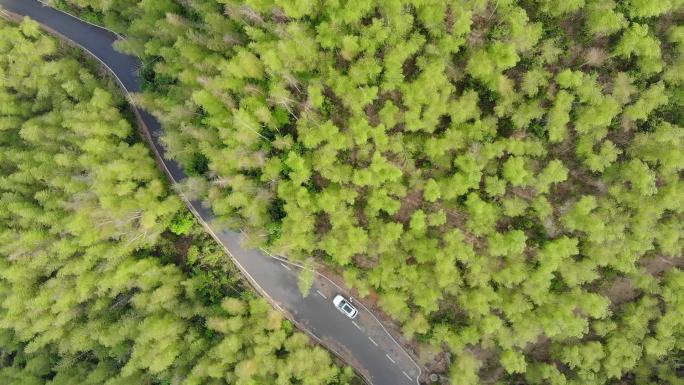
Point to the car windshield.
(347, 308)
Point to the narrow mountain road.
(363, 342)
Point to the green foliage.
(515, 172)
(602, 18)
(93, 288)
(181, 223)
(305, 281)
(513, 362)
(637, 41)
(431, 192)
(487, 64)
(645, 8)
(495, 172)
(555, 8)
(465, 369)
(534, 80)
(651, 99)
(554, 172)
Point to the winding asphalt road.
(363, 342)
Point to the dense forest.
(504, 176)
(104, 277)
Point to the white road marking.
(357, 325)
(420, 370)
(285, 266)
(407, 376)
(321, 294)
(373, 341)
(390, 358)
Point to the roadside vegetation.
(504, 176)
(104, 277)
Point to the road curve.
(363, 343)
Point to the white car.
(345, 306)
